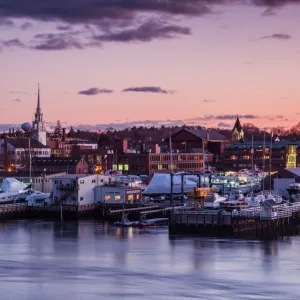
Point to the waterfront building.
(116, 194)
(284, 154)
(38, 125)
(76, 189)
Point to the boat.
(154, 222)
(214, 201)
(11, 189)
(36, 197)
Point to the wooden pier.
(257, 222)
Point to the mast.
(270, 158)
(203, 150)
(252, 155)
(30, 164)
(263, 166)
(171, 152)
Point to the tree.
(57, 129)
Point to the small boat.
(154, 222)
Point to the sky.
(120, 63)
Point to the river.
(90, 260)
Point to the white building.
(116, 194)
(38, 125)
(16, 150)
(75, 189)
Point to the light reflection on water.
(91, 260)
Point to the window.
(126, 167)
(94, 181)
(120, 167)
(81, 182)
(107, 197)
(81, 198)
(118, 198)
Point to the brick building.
(68, 165)
(285, 154)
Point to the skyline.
(201, 65)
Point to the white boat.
(254, 200)
(10, 189)
(36, 197)
(214, 201)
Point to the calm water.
(90, 260)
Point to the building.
(284, 154)
(237, 131)
(100, 159)
(73, 189)
(15, 151)
(69, 165)
(38, 125)
(113, 194)
(150, 163)
(185, 140)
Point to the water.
(90, 260)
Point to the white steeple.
(38, 125)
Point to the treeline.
(158, 134)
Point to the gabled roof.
(23, 143)
(237, 125)
(205, 134)
(55, 161)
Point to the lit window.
(107, 197)
(126, 167)
(120, 167)
(115, 167)
(118, 198)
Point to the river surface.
(90, 260)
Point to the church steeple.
(39, 128)
(38, 112)
(38, 108)
(237, 131)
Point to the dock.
(281, 219)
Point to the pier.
(258, 222)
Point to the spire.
(237, 124)
(38, 108)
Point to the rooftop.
(259, 144)
(55, 161)
(23, 143)
(72, 176)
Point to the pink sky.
(222, 68)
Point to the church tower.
(237, 131)
(38, 125)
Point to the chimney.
(64, 134)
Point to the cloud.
(16, 100)
(224, 125)
(18, 92)
(26, 26)
(208, 101)
(57, 41)
(145, 33)
(148, 89)
(13, 43)
(95, 91)
(277, 36)
(268, 12)
(6, 23)
(64, 27)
